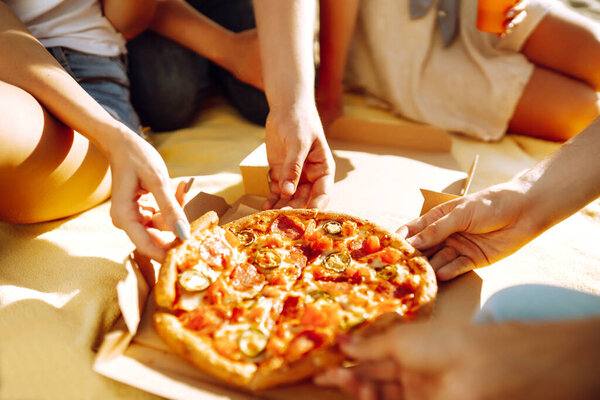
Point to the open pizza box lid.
(132, 352)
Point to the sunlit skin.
(281, 63)
(302, 166)
(56, 145)
(176, 20)
(558, 101)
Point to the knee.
(250, 102)
(534, 302)
(168, 82)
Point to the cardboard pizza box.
(377, 183)
(133, 353)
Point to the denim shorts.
(103, 78)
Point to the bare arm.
(180, 22)
(484, 227)
(301, 163)
(135, 165)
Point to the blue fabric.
(103, 78)
(169, 82)
(530, 303)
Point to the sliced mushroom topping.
(332, 227)
(246, 237)
(388, 273)
(337, 261)
(267, 259)
(194, 281)
(252, 342)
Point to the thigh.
(47, 171)
(554, 106)
(168, 81)
(567, 42)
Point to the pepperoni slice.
(290, 227)
(304, 343)
(245, 277)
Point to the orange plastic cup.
(491, 15)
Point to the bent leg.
(569, 43)
(47, 171)
(168, 81)
(529, 303)
(554, 106)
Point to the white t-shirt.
(76, 24)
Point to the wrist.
(535, 205)
(111, 137)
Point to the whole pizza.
(263, 300)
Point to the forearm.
(285, 30)
(337, 21)
(130, 17)
(25, 63)
(180, 22)
(566, 181)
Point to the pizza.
(262, 301)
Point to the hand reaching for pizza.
(301, 163)
(502, 361)
(155, 221)
(475, 230)
(137, 169)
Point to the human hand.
(515, 16)
(442, 361)
(475, 230)
(301, 163)
(245, 62)
(138, 169)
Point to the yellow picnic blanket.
(58, 279)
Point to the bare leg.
(554, 106)
(47, 171)
(567, 43)
(560, 98)
(337, 20)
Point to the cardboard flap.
(203, 203)
(403, 134)
(132, 293)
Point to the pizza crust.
(199, 351)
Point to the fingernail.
(402, 232)
(287, 188)
(415, 241)
(188, 185)
(182, 230)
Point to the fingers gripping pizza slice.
(261, 301)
